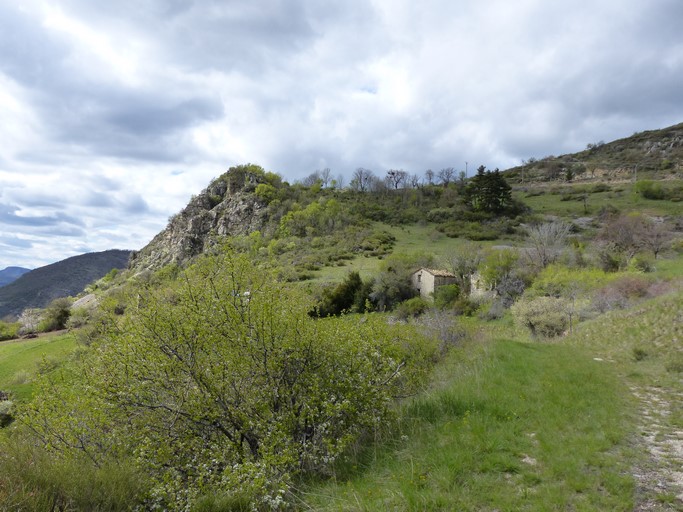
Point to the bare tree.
(396, 178)
(446, 175)
(414, 181)
(311, 179)
(362, 178)
(429, 174)
(656, 237)
(340, 181)
(325, 177)
(464, 262)
(547, 241)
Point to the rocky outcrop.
(227, 207)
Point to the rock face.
(227, 207)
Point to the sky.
(112, 114)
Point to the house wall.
(423, 282)
(426, 282)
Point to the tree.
(362, 179)
(547, 241)
(325, 177)
(429, 174)
(446, 175)
(656, 237)
(488, 192)
(222, 383)
(464, 262)
(396, 178)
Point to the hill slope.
(654, 154)
(38, 287)
(11, 274)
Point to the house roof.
(436, 272)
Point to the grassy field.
(567, 200)
(22, 360)
(487, 437)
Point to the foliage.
(543, 316)
(412, 308)
(561, 281)
(446, 296)
(488, 191)
(392, 285)
(55, 315)
(349, 295)
(247, 388)
(9, 330)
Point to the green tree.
(222, 383)
(488, 191)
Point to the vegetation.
(290, 364)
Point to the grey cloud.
(8, 215)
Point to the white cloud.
(115, 113)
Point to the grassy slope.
(487, 438)
(21, 360)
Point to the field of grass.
(511, 426)
(22, 360)
(567, 200)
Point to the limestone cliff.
(228, 206)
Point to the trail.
(659, 479)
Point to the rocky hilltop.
(228, 206)
(654, 154)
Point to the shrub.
(446, 296)
(411, 308)
(55, 315)
(6, 412)
(543, 316)
(9, 330)
(248, 387)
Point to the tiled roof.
(438, 273)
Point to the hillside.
(11, 274)
(37, 288)
(654, 154)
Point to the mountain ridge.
(11, 274)
(37, 288)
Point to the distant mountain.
(35, 289)
(11, 274)
(654, 154)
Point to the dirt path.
(659, 480)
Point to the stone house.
(426, 280)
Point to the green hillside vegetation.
(267, 352)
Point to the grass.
(488, 438)
(22, 360)
(565, 200)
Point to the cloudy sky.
(112, 114)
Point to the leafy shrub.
(411, 308)
(56, 315)
(251, 389)
(446, 296)
(9, 330)
(543, 316)
(650, 190)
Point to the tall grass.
(510, 426)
